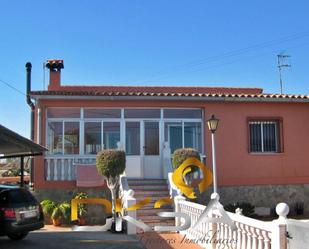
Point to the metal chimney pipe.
(32, 107)
(28, 99)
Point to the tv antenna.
(282, 63)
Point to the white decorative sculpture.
(167, 164)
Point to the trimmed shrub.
(180, 155)
(111, 163)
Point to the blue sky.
(205, 43)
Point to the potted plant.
(81, 208)
(111, 163)
(56, 212)
(48, 207)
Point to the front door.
(151, 150)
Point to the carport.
(13, 145)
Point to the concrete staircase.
(156, 189)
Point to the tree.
(111, 164)
(180, 155)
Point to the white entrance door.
(133, 149)
(151, 150)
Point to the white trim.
(63, 133)
(123, 121)
(102, 136)
(39, 123)
(183, 133)
(81, 137)
(142, 144)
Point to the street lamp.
(212, 126)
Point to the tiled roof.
(158, 89)
(143, 91)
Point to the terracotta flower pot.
(56, 222)
(81, 221)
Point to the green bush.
(111, 163)
(81, 208)
(56, 210)
(180, 155)
(246, 207)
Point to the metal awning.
(15, 145)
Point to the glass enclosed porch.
(75, 135)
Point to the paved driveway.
(73, 240)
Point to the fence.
(62, 168)
(250, 233)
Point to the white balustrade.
(250, 233)
(62, 168)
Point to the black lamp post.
(212, 126)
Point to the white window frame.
(122, 120)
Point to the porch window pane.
(54, 137)
(142, 113)
(92, 137)
(132, 138)
(151, 138)
(182, 113)
(102, 113)
(111, 134)
(55, 112)
(71, 138)
(173, 135)
(193, 135)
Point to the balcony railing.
(62, 168)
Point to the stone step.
(156, 189)
(149, 187)
(142, 182)
(152, 211)
(157, 223)
(152, 217)
(141, 193)
(161, 223)
(151, 205)
(153, 198)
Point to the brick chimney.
(54, 67)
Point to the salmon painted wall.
(235, 165)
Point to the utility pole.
(282, 64)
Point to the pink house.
(262, 139)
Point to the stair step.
(168, 223)
(156, 220)
(153, 211)
(149, 187)
(151, 193)
(156, 189)
(150, 207)
(152, 217)
(154, 198)
(139, 182)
